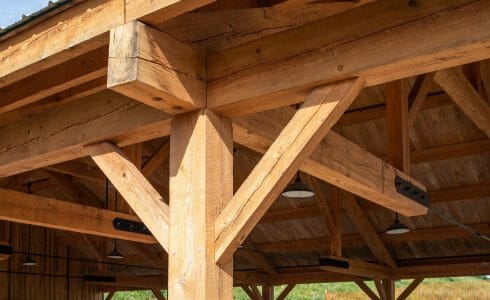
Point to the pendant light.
(397, 227)
(114, 254)
(298, 189)
(28, 261)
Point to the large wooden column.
(201, 183)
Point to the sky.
(11, 11)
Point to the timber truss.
(114, 77)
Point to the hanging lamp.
(397, 227)
(298, 189)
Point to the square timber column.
(201, 183)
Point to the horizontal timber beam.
(380, 27)
(152, 67)
(355, 170)
(440, 196)
(359, 268)
(60, 134)
(78, 30)
(46, 212)
(356, 240)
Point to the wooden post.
(398, 143)
(201, 183)
(268, 292)
(389, 288)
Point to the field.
(438, 288)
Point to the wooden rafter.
(330, 209)
(462, 92)
(367, 290)
(359, 268)
(141, 196)
(41, 211)
(284, 293)
(321, 109)
(410, 288)
(366, 230)
(271, 59)
(417, 96)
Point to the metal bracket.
(330, 262)
(5, 250)
(409, 190)
(97, 278)
(130, 226)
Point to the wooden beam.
(56, 100)
(76, 31)
(321, 109)
(152, 67)
(46, 212)
(355, 240)
(443, 270)
(356, 170)
(77, 71)
(389, 287)
(310, 276)
(60, 134)
(267, 61)
(156, 12)
(201, 184)
(366, 230)
(286, 291)
(248, 290)
(450, 151)
(376, 112)
(141, 196)
(398, 139)
(417, 96)
(462, 92)
(110, 295)
(380, 288)
(256, 292)
(330, 210)
(367, 290)
(79, 170)
(410, 288)
(359, 268)
(268, 292)
(257, 259)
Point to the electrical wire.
(459, 224)
(91, 261)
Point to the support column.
(201, 183)
(268, 292)
(389, 288)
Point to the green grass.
(434, 288)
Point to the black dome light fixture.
(28, 261)
(397, 227)
(298, 189)
(114, 254)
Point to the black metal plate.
(97, 278)
(411, 191)
(131, 226)
(6, 249)
(330, 262)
